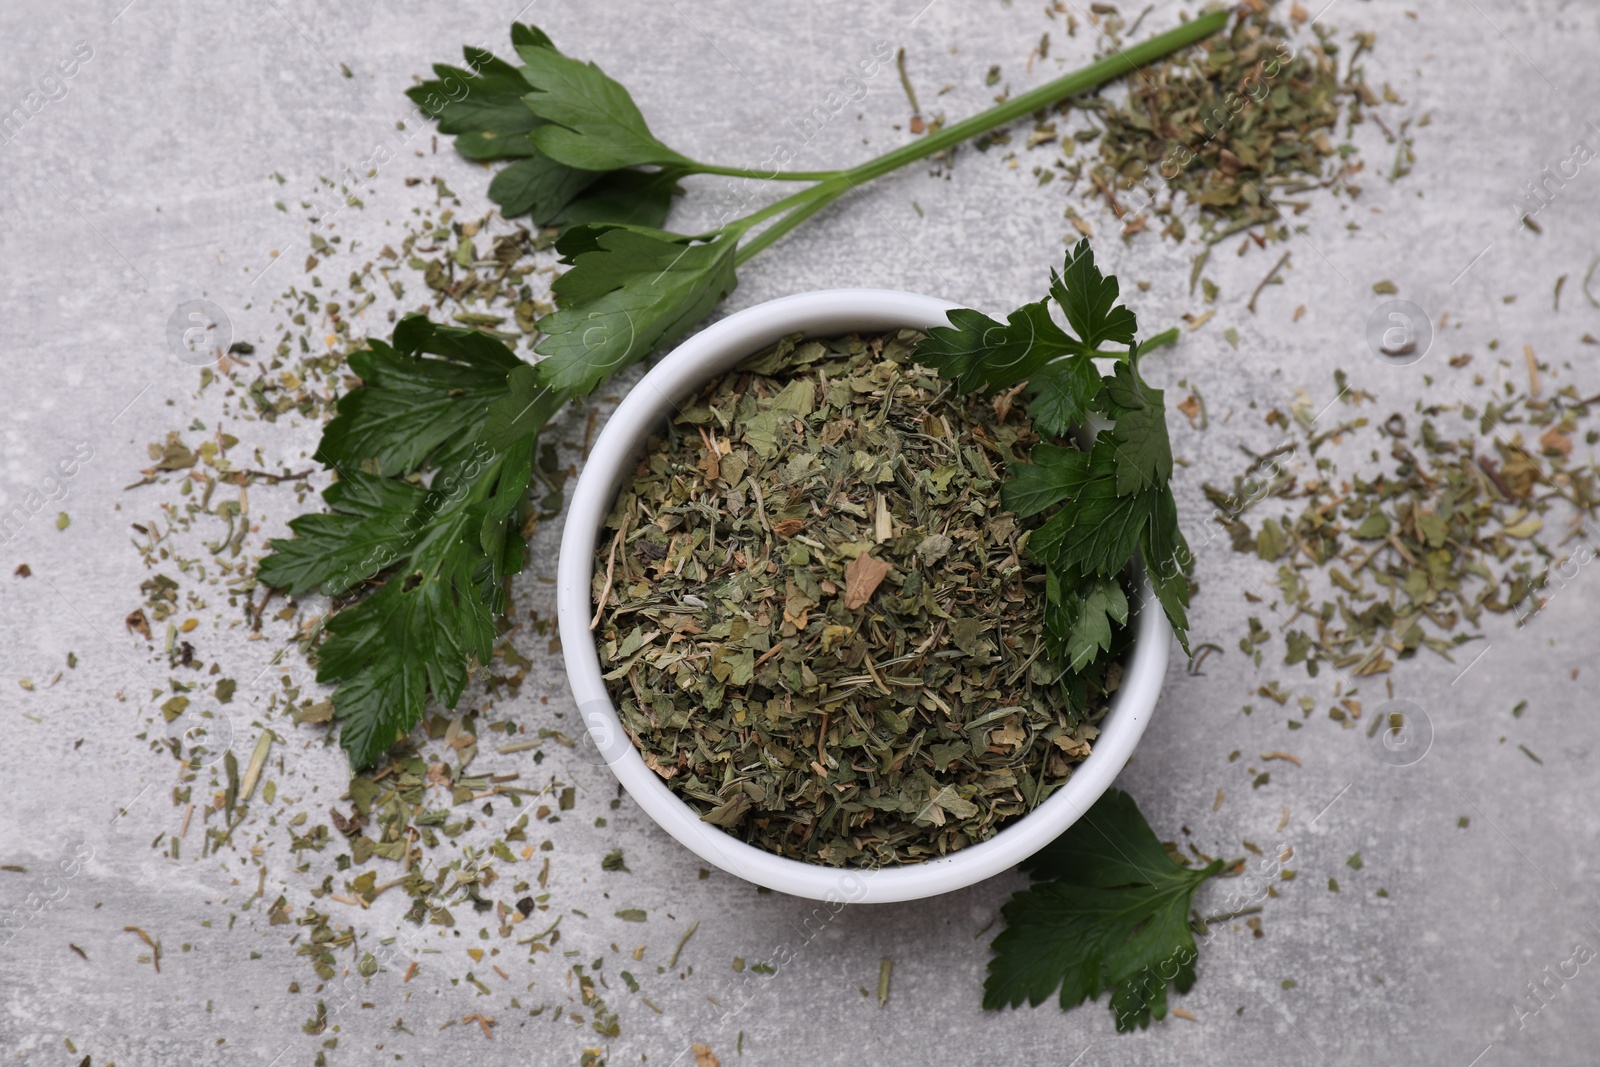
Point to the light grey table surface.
(148, 182)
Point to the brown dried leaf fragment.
(862, 578)
(1190, 407)
(654, 764)
(137, 623)
(787, 528)
(1553, 440)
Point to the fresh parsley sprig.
(587, 161)
(1108, 504)
(434, 450)
(431, 559)
(584, 153)
(1109, 911)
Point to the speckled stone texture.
(147, 182)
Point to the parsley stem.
(775, 176)
(1124, 61)
(825, 195)
(833, 184)
(778, 207)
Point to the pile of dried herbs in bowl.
(823, 622)
(857, 607)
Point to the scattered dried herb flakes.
(1473, 510)
(806, 701)
(1233, 127)
(419, 825)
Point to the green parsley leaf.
(415, 635)
(1167, 562)
(592, 121)
(485, 109)
(538, 186)
(1092, 614)
(624, 197)
(1054, 474)
(482, 106)
(410, 409)
(1144, 453)
(981, 355)
(443, 549)
(1089, 300)
(1112, 501)
(434, 612)
(1110, 847)
(522, 412)
(1098, 531)
(332, 553)
(1062, 395)
(630, 290)
(1112, 916)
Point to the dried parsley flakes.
(817, 621)
(1474, 510)
(1234, 127)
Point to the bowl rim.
(683, 371)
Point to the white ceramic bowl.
(645, 409)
